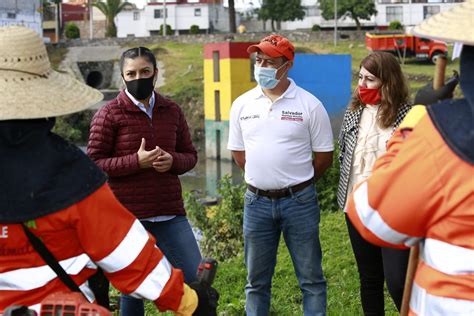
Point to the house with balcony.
(180, 15)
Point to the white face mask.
(266, 77)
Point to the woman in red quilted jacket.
(142, 141)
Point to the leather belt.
(280, 193)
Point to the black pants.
(376, 264)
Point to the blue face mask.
(266, 77)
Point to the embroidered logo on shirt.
(291, 116)
(250, 117)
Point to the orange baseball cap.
(274, 46)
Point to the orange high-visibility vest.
(422, 192)
(97, 231)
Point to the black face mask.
(141, 88)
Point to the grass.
(339, 269)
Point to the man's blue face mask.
(266, 77)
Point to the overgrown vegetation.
(72, 31)
(194, 29)
(395, 25)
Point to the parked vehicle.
(404, 45)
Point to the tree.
(280, 10)
(72, 31)
(232, 24)
(356, 9)
(110, 8)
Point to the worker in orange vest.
(51, 192)
(422, 190)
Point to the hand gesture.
(163, 162)
(146, 158)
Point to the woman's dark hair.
(135, 52)
(394, 89)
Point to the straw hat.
(29, 88)
(454, 25)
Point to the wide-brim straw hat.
(29, 88)
(454, 25)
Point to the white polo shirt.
(279, 138)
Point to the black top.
(41, 173)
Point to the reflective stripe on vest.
(127, 251)
(32, 278)
(375, 223)
(423, 303)
(447, 258)
(154, 283)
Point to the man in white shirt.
(280, 135)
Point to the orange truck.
(404, 45)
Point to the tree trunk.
(357, 24)
(232, 24)
(273, 25)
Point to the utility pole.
(58, 19)
(91, 21)
(335, 22)
(164, 17)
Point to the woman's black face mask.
(141, 88)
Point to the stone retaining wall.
(297, 36)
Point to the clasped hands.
(156, 158)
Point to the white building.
(22, 12)
(408, 12)
(208, 15)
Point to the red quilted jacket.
(115, 136)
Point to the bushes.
(221, 225)
(169, 30)
(72, 31)
(395, 25)
(316, 28)
(327, 186)
(194, 29)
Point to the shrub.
(316, 28)
(194, 29)
(72, 31)
(327, 186)
(395, 25)
(221, 225)
(169, 30)
(74, 127)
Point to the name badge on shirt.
(291, 116)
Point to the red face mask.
(369, 96)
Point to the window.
(197, 12)
(394, 14)
(217, 103)
(136, 16)
(216, 63)
(429, 10)
(159, 13)
(11, 15)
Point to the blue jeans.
(297, 216)
(176, 240)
